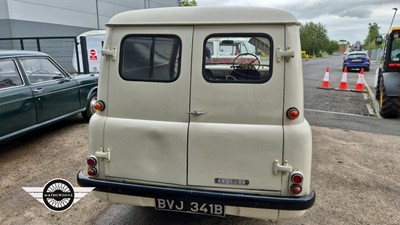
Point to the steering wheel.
(247, 65)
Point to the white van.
(177, 131)
(94, 45)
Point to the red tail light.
(292, 113)
(92, 171)
(91, 161)
(297, 178)
(346, 59)
(367, 58)
(296, 182)
(296, 189)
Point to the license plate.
(356, 60)
(186, 206)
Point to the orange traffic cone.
(325, 82)
(360, 82)
(343, 82)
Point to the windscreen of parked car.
(243, 58)
(150, 58)
(9, 76)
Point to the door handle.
(38, 90)
(197, 113)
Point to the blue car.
(356, 60)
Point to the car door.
(17, 106)
(235, 129)
(147, 103)
(55, 93)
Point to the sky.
(343, 19)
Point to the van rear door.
(235, 128)
(148, 101)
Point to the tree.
(314, 38)
(373, 33)
(187, 3)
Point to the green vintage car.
(36, 91)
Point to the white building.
(43, 18)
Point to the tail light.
(346, 59)
(91, 161)
(292, 113)
(296, 183)
(296, 189)
(99, 105)
(367, 58)
(92, 171)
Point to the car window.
(395, 53)
(243, 58)
(357, 55)
(9, 75)
(150, 58)
(40, 70)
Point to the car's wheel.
(89, 107)
(367, 68)
(389, 106)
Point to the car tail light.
(297, 178)
(296, 182)
(367, 58)
(91, 161)
(99, 105)
(394, 64)
(296, 189)
(346, 59)
(92, 171)
(292, 113)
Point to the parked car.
(357, 60)
(36, 91)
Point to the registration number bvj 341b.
(190, 206)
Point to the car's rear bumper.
(218, 197)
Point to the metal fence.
(62, 49)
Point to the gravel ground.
(354, 175)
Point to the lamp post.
(394, 15)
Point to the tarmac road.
(356, 161)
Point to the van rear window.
(242, 58)
(150, 58)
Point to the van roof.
(203, 16)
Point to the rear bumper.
(217, 197)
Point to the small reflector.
(99, 105)
(292, 113)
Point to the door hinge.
(284, 168)
(109, 52)
(285, 54)
(103, 153)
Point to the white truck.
(177, 130)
